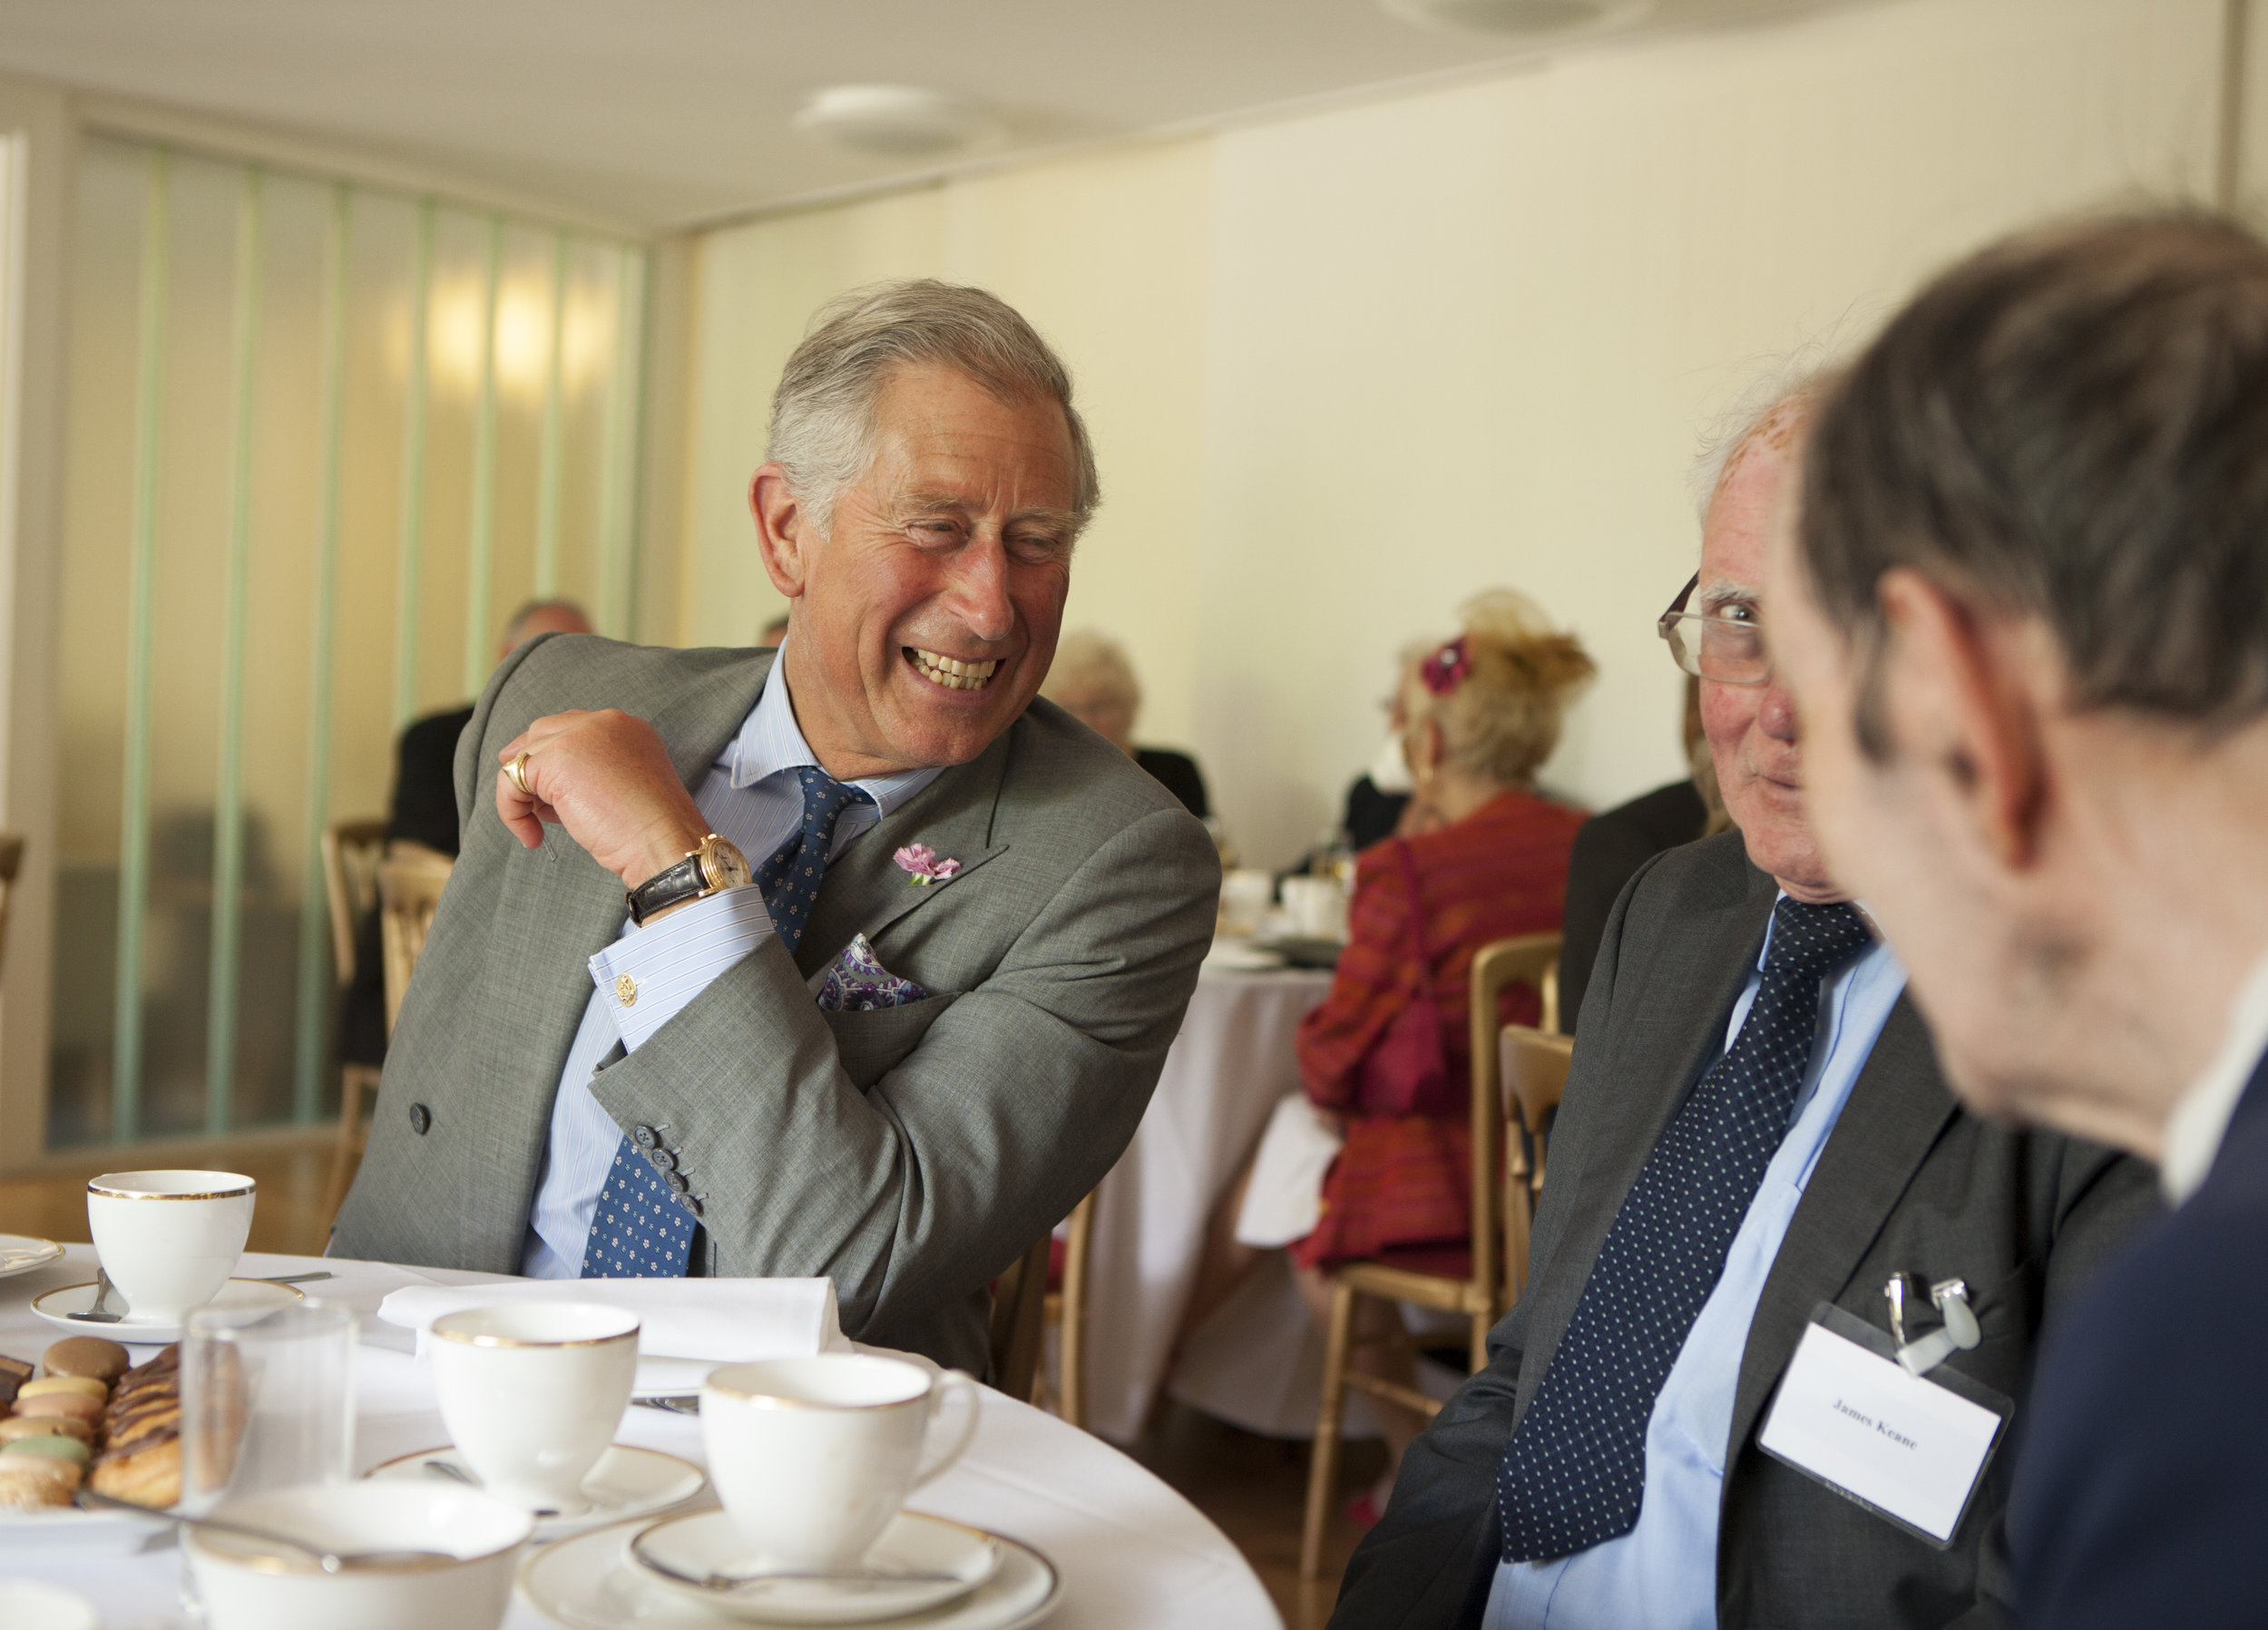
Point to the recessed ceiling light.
(898, 121)
(1520, 16)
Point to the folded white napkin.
(687, 1327)
(1284, 1197)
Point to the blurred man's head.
(928, 479)
(541, 617)
(2026, 608)
(1746, 712)
(1092, 679)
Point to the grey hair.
(1087, 660)
(823, 413)
(1803, 372)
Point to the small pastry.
(30, 1483)
(86, 1386)
(147, 1475)
(45, 1426)
(54, 1448)
(87, 1356)
(126, 1429)
(75, 1405)
(168, 1361)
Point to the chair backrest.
(410, 880)
(11, 862)
(1523, 959)
(351, 853)
(1534, 1067)
(1019, 1320)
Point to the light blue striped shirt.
(752, 797)
(1662, 1574)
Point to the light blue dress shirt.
(1662, 1574)
(752, 797)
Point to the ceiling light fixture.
(896, 121)
(1520, 16)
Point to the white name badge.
(1910, 1447)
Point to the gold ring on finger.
(518, 770)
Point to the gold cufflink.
(626, 989)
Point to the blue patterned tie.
(641, 1229)
(1574, 1473)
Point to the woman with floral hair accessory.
(1483, 711)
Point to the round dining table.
(1130, 1551)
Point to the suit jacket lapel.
(1896, 1110)
(866, 890)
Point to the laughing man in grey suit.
(1754, 1124)
(903, 947)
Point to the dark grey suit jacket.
(1907, 1182)
(909, 1152)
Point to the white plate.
(626, 1483)
(707, 1542)
(238, 1295)
(1242, 956)
(589, 1583)
(67, 1531)
(21, 1252)
(28, 1604)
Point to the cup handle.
(965, 1383)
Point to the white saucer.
(707, 1542)
(626, 1483)
(28, 1604)
(590, 1583)
(238, 1295)
(21, 1252)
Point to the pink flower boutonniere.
(922, 866)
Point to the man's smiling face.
(1752, 728)
(926, 619)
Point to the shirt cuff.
(651, 973)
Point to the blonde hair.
(1089, 663)
(1502, 718)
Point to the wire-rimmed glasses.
(1725, 647)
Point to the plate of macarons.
(85, 1414)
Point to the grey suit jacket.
(909, 1152)
(1907, 1182)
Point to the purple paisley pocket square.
(858, 983)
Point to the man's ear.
(784, 534)
(1960, 701)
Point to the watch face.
(723, 867)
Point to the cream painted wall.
(1346, 368)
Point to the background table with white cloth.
(1131, 1551)
(1257, 1362)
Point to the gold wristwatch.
(712, 868)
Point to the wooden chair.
(1533, 1067)
(11, 862)
(410, 880)
(1467, 1279)
(351, 853)
(1066, 1308)
(1018, 1300)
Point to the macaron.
(77, 1406)
(53, 1449)
(45, 1426)
(58, 1476)
(86, 1386)
(87, 1355)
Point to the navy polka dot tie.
(1574, 1472)
(641, 1229)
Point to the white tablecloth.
(1231, 1062)
(1131, 1551)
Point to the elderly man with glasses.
(1757, 1153)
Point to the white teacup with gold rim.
(812, 1457)
(531, 1393)
(169, 1240)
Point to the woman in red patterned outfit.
(1487, 860)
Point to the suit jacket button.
(645, 1138)
(690, 1204)
(420, 1119)
(676, 1180)
(662, 1159)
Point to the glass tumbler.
(267, 1400)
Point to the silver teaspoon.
(94, 1314)
(330, 1562)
